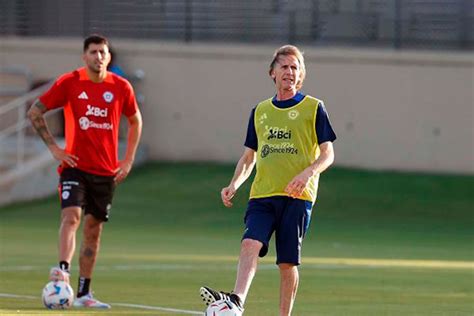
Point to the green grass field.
(379, 244)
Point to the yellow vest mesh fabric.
(287, 144)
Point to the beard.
(96, 68)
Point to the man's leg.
(289, 237)
(247, 267)
(259, 222)
(248, 260)
(87, 257)
(89, 249)
(90, 245)
(289, 278)
(70, 220)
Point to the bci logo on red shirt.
(96, 111)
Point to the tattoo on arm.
(39, 124)
(40, 106)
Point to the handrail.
(21, 123)
(20, 101)
(15, 70)
(15, 173)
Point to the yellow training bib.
(287, 144)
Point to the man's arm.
(35, 114)
(242, 172)
(134, 132)
(326, 157)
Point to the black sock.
(83, 286)
(63, 265)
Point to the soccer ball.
(57, 295)
(223, 308)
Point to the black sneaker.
(210, 296)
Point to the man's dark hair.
(95, 39)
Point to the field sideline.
(311, 261)
(379, 244)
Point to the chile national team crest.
(293, 114)
(108, 96)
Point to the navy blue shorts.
(289, 218)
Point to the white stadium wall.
(397, 110)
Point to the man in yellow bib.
(290, 139)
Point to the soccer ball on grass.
(223, 308)
(57, 295)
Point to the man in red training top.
(93, 100)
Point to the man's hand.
(227, 194)
(297, 185)
(122, 171)
(62, 156)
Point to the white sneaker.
(89, 302)
(56, 274)
(210, 296)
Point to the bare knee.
(251, 245)
(71, 217)
(287, 267)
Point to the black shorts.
(91, 192)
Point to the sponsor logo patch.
(85, 124)
(279, 134)
(96, 111)
(284, 148)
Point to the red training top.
(92, 115)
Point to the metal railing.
(14, 132)
(15, 80)
(396, 23)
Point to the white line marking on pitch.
(156, 308)
(17, 296)
(267, 263)
(143, 267)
